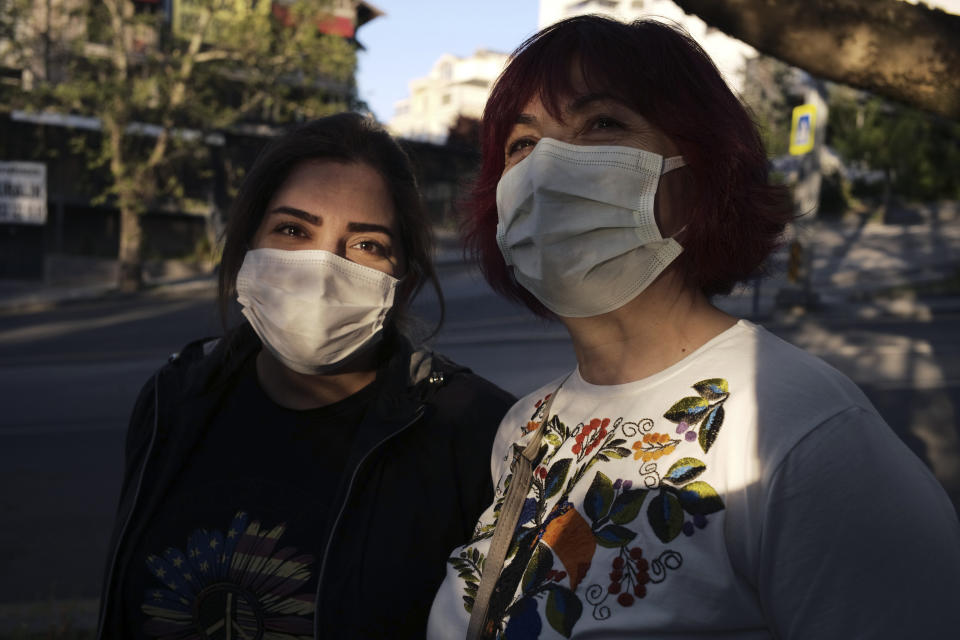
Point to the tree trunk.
(906, 52)
(130, 277)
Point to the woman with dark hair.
(694, 476)
(304, 476)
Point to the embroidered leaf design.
(699, 498)
(467, 573)
(537, 569)
(464, 570)
(666, 516)
(613, 536)
(627, 505)
(563, 610)
(556, 476)
(524, 620)
(527, 512)
(712, 389)
(599, 497)
(684, 470)
(710, 428)
(553, 439)
(617, 452)
(559, 427)
(689, 410)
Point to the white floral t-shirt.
(748, 491)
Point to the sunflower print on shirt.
(238, 584)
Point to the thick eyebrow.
(297, 213)
(357, 227)
(582, 102)
(576, 105)
(369, 226)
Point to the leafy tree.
(160, 87)
(917, 153)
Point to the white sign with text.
(23, 193)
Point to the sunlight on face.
(588, 118)
(343, 208)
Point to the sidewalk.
(855, 265)
(861, 269)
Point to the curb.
(53, 298)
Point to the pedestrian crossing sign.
(802, 128)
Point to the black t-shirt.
(234, 549)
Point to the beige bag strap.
(522, 470)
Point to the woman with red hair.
(694, 476)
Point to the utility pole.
(807, 137)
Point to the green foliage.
(917, 152)
(159, 88)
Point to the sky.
(404, 43)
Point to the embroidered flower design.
(700, 417)
(630, 576)
(590, 436)
(559, 537)
(537, 416)
(654, 446)
(690, 435)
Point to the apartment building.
(454, 87)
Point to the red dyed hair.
(735, 216)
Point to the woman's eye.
(370, 246)
(290, 230)
(604, 122)
(519, 145)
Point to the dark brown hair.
(735, 216)
(349, 138)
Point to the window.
(446, 71)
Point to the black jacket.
(417, 479)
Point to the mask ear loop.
(674, 162)
(677, 233)
(669, 164)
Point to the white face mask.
(313, 309)
(576, 224)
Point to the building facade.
(79, 233)
(455, 87)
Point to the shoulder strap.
(522, 470)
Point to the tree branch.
(910, 53)
(118, 46)
(178, 91)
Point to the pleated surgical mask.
(313, 309)
(576, 224)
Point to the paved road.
(69, 376)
